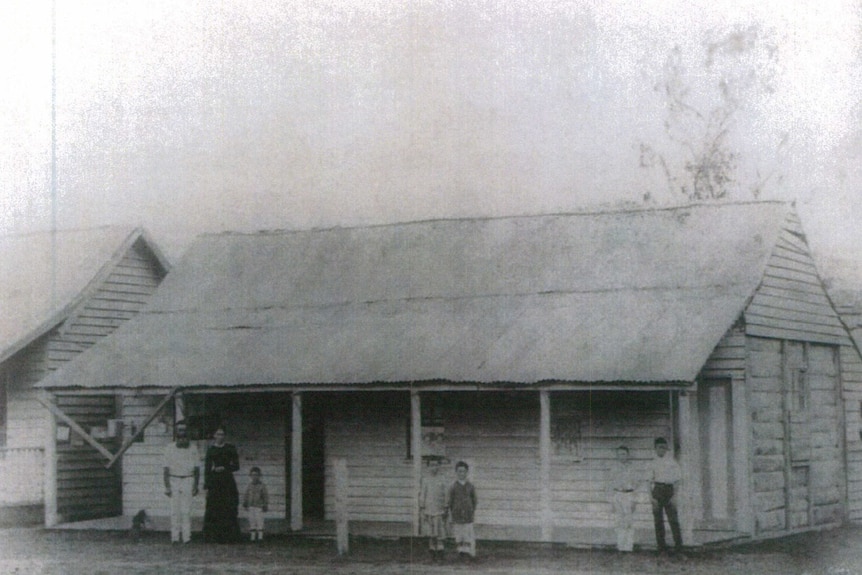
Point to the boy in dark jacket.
(461, 503)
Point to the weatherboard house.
(530, 347)
(60, 293)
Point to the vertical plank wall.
(787, 484)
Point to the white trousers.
(624, 510)
(181, 508)
(255, 519)
(465, 538)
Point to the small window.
(433, 444)
(202, 416)
(799, 390)
(566, 435)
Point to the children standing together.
(441, 503)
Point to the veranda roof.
(622, 296)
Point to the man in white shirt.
(181, 476)
(664, 474)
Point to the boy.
(256, 501)
(622, 483)
(432, 507)
(461, 505)
(664, 475)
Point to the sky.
(187, 117)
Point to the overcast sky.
(194, 116)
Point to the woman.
(221, 524)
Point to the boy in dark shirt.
(461, 503)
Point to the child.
(255, 501)
(432, 507)
(461, 503)
(622, 482)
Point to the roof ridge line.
(586, 212)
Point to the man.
(623, 481)
(181, 476)
(664, 476)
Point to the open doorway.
(313, 458)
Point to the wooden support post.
(546, 513)
(75, 427)
(416, 452)
(128, 443)
(296, 464)
(691, 461)
(50, 468)
(672, 419)
(342, 494)
(685, 502)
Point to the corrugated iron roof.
(45, 274)
(626, 296)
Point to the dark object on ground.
(139, 524)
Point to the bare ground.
(37, 551)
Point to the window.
(433, 443)
(799, 383)
(202, 415)
(566, 434)
(797, 368)
(569, 413)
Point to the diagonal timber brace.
(112, 458)
(75, 427)
(128, 443)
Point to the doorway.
(313, 458)
(716, 452)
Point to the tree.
(703, 117)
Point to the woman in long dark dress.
(221, 524)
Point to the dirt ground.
(34, 550)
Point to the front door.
(716, 451)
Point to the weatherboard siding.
(119, 297)
(86, 489)
(25, 422)
(728, 358)
(254, 423)
(122, 293)
(579, 495)
(497, 434)
(791, 302)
